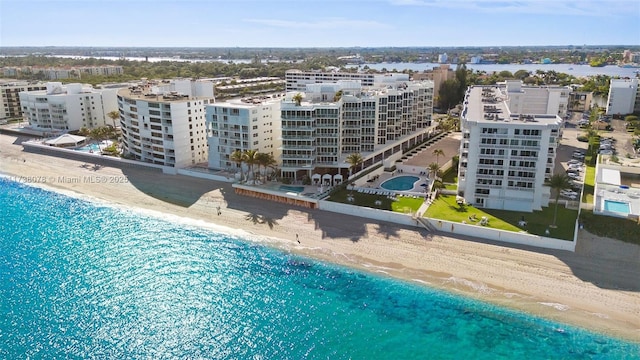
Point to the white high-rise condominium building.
(297, 80)
(505, 154)
(9, 91)
(247, 124)
(624, 97)
(62, 108)
(164, 122)
(335, 120)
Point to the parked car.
(575, 161)
(573, 175)
(568, 192)
(578, 156)
(606, 152)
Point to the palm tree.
(265, 160)
(355, 160)
(434, 168)
(297, 98)
(438, 153)
(114, 115)
(250, 159)
(557, 183)
(238, 158)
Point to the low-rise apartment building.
(297, 80)
(9, 91)
(62, 108)
(624, 97)
(64, 72)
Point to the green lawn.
(451, 186)
(402, 204)
(589, 184)
(407, 204)
(445, 208)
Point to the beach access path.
(597, 287)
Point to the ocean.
(83, 280)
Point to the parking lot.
(618, 142)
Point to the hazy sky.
(318, 23)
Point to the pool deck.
(373, 184)
(630, 196)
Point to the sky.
(318, 23)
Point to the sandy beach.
(597, 287)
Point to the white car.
(575, 167)
(574, 162)
(568, 192)
(606, 152)
(578, 156)
(570, 197)
(573, 175)
(576, 184)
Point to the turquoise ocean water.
(80, 280)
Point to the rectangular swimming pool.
(289, 188)
(617, 206)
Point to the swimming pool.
(289, 188)
(400, 183)
(617, 206)
(89, 148)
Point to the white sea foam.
(175, 219)
(420, 281)
(477, 286)
(557, 306)
(600, 315)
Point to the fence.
(450, 227)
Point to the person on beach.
(297, 239)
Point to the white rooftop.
(487, 104)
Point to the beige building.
(438, 75)
(10, 90)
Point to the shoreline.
(576, 289)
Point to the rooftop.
(250, 102)
(146, 92)
(488, 104)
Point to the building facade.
(624, 97)
(334, 120)
(506, 155)
(164, 122)
(67, 72)
(297, 80)
(438, 75)
(580, 100)
(10, 105)
(62, 108)
(246, 124)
